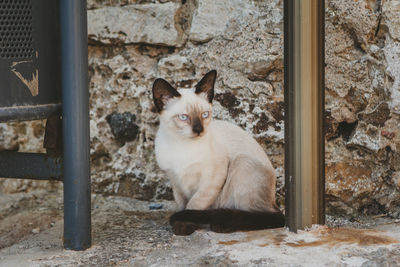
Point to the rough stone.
(178, 67)
(146, 23)
(211, 18)
(331, 126)
(227, 100)
(173, 63)
(378, 116)
(366, 136)
(359, 18)
(347, 182)
(396, 179)
(395, 162)
(261, 69)
(123, 126)
(361, 104)
(392, 54)
(8, 138)
(136, 187)
(390, 17)
(346, 130)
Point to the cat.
(220, 176)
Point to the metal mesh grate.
(16, 29)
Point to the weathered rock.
(8, 138)
(395, 162)
(396, 180)
(345, 68)
(392, 130)
(355, 186)
(360, 104)
(261, 69)
(146, 23)
(347, 75)
(227, 100)
(391, 18)
(212, 17)
(346, 130)
(366, 136)
(136, 187)
(359, 18)
(123, 126)
(392, 54)
(262, 124)
(178, 68)
(353, 180)
(378, 116)
(173, 63)
(331, 126)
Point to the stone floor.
(127, 232)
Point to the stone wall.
(363, 106)
(133, 42)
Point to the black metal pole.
(75, 102)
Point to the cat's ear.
(206, 85)
(162, 92)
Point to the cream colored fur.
(222, 168)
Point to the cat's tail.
(186, 222)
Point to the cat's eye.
(183, 117)
(205, 114)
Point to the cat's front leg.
(179, 197)
(207, 193)
(201, 201)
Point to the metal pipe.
(288, 60)
(304, 113)
(25, 113)
(75, 100)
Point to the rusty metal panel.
(35, 166)
(29, 53)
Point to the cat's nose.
(197, 128)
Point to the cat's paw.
(222, 228)
(184, 228)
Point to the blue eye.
(183, 117)
(205, 114)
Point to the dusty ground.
(127, 233)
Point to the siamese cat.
(220, 176)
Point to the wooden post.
(304, 109)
